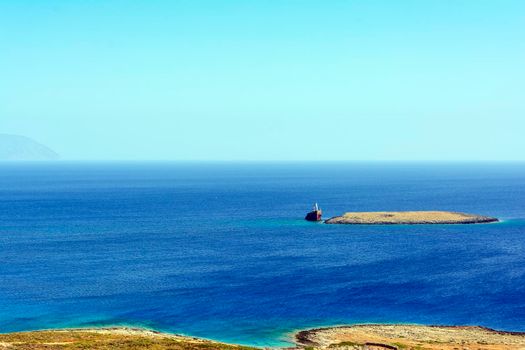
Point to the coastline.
(344, 337)
(409, 218)
(410, 336)
(111, 337)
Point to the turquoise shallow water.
(221, 251)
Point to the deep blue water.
(221, 250)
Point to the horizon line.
(123, 160)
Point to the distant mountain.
(15, 147)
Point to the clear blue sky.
(266, 79)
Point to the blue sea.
(221, 250)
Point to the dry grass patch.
(105, 339)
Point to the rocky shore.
(410, 337)
(409, 218)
